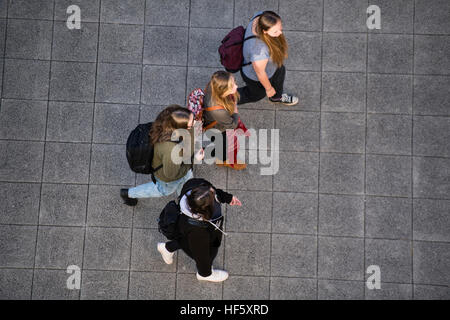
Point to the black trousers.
(255, 91)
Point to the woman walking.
(199, 227)
(264, 54)
(171, 176)
(221, 96)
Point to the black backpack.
(168, 220)
(140, 150)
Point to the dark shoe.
(128, 201)
(286, 99)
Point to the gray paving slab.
(389, 134)
(393, 257)
(293, 256)
(69, 121)
(431, 95)
(122, 11)
(308, 57)
(344, 52)
(20, 204)
(118, 83)
(72, 81)
(302, 15)
(29, 40)
(282, 288)
(345, 15)
(114, 122)
(298, 172)
(15, 284)
(341, 215)
(294, 213)
(388, 175)
(245, 9)
(63, 204)
(26, 79)
(3, 23)
(391, 291)
(166, 45)
(342, 132)
(17, 244)
(254, 216)
(73, 44)
(306, 86)
(430, 56)
(341, 258)
(340, 290)
(248, 254)
(422, 292)
(39, 9)
(246, 288)
(52, 285)
(299, 131)
(189, 288)
(431, 177)
(431, 136)
(120, 43)
(104, 285)
(431, 261)
(107, 249)
(152, 286)
(66, 163)
(397, 16)
(388, 218)
(341, 173)
(432, 17)
(390, 53)
(163, 90)
(21, 161)
(212, 14)
(389, 94)
(89, 10)
(59, 247)
(431, 221)
(343, 92)
(23, 119)
(158, 11)
(105, 209)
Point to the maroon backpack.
(230, 50)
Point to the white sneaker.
(287, 99)
(216, 276)
(166, 255)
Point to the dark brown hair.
(171, 118)
(201, 201)
(278, 47)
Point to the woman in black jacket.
(199, 226)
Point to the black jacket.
(199, 239)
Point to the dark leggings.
(255, 91)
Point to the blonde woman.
(264, 54)
(221, 93)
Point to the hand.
(236, 109)
(235, 202)
(271, 92)
(200, 155)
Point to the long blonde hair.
(220, 87)
(278, 47)
(171, 118)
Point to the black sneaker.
(127, 200)
(286, 99)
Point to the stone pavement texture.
(364, 174)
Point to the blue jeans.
(160, 189)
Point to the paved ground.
(364, 174)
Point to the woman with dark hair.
(171, 176)
(199, 227)
(264, 54)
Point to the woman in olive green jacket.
(171, 176)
